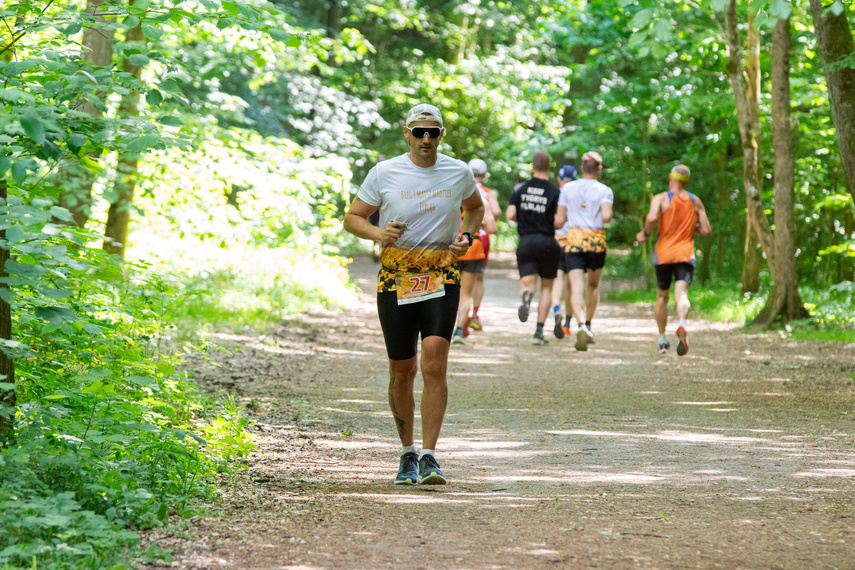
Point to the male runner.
(585, 205)
(532, 206)
(472, 267)
(419, 195)
(479, 171)
(566, 173)
(680, 216)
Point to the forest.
(170, 169)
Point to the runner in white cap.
(419, 195)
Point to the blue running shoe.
(408, 471)
(429, 473)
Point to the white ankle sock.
(683, 323)
(663, 339)
(426, 452)
(409, 449)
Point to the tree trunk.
(752, 259)
(849, 228)
(77, 181)
(785, 300)
(127, 170)
(7, 365)
(748, 132)
(837, 48)
(723, 198)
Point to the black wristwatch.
(467, 234)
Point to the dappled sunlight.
(557, 477)
(685, 437)
(342, 444)
(820, 473)
(456, 444)
(534, 551)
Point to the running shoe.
(457, 337)
(523, 310)
(466, 327)
(566, 331)
(538, 339)
(683, 345)
(408, 471)
(663, 347)
(429, 473)
(559, 330)
(582, 338)
(590, 335)
(475, 325)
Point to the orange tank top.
(676, 243)
(476, 250)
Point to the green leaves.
(151, 32)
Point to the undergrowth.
(109, 435)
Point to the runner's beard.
(427, 152)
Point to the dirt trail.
(738, 455)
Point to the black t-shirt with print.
(536, 201)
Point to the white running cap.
(478, 167)
(424, 112)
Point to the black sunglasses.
(420, 132)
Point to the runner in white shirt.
(419, 195)
(586, 205)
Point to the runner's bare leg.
(681, 296)
(593, 293)
(402, 374)
(577, 294)
(544, 306)
(435, 394)
(661, 309)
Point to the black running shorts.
(665, 272)
(538, 254)
(471, 265)
(585, 260)
(402, 323)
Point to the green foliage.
(109, 434)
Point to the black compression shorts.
(402, 323)
(665, 272)
(471, 265)
(538, 254)
(585, 260)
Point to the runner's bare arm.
(606, 210)
(651, 220)
(511, 213)
(560, 217)
(356, 222)
(493, 204)
(473, 207)
(703, 228)
(489, 222)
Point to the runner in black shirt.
(533, 206)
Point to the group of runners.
(435, 219)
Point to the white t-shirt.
(428, 201)
(583, 199)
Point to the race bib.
(417, 287)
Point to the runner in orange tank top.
(680, 216)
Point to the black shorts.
(665, 272)
(585, 260)
(471, 265)
(538, 254)
(402, 323)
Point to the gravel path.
(738, 455)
